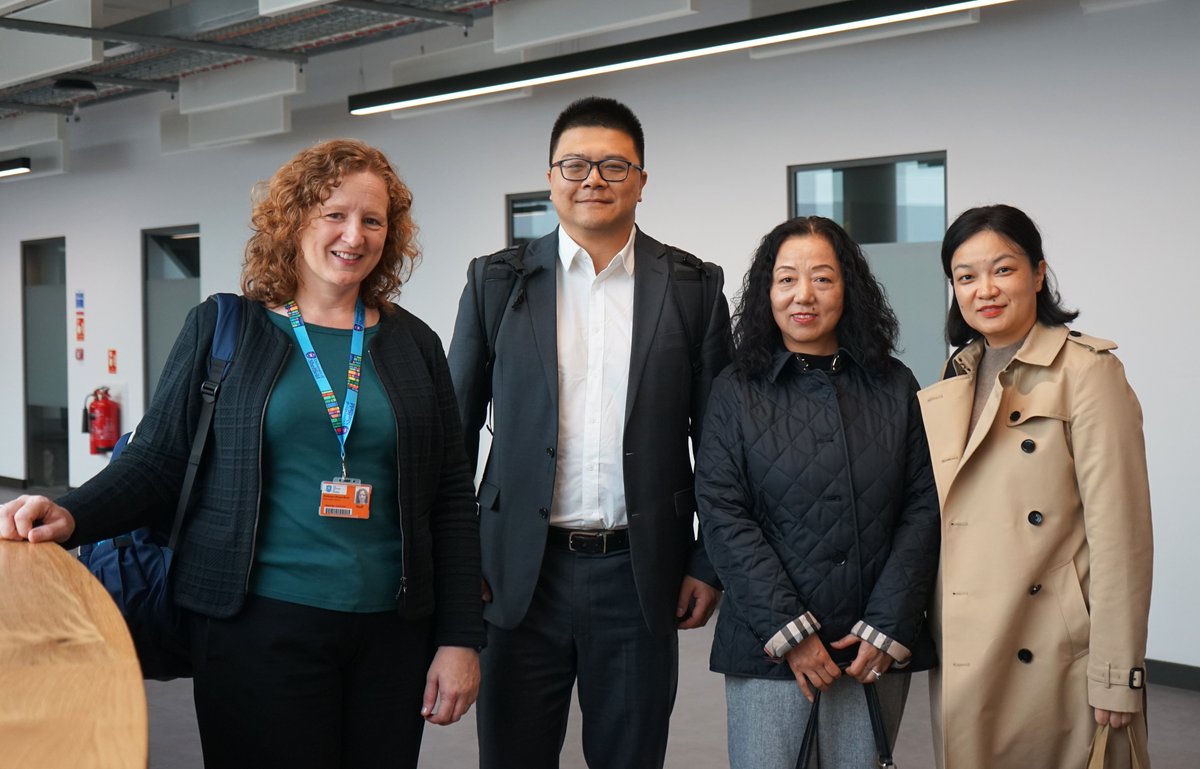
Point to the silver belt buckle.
(602, 536)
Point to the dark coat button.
(1035, 589)
(1036, 518)
(1025, 656)
(1074, 333)
(1014, 416)
(1028, 446)
(550, 451)
(544, 512)
(839, 560)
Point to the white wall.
(1087, 121)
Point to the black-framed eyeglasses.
(579, 169)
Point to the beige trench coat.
(1044, 587)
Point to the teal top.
(340, 564)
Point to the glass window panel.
(895, 208)
(530, 216)
(892, 200)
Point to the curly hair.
(1015, 226)
(867, 329)
(285, 206)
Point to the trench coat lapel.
(946, 410)
(650, 284)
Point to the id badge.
(345, 498)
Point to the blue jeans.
(767, 719)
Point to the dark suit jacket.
(664, 405)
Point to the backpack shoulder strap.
(693, 288)
(503, 273)
(224, 345)
(225, 335)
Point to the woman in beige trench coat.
(1043, 593)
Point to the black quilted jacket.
(815, 494)
(216, 550)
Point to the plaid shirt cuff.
(884, 643)
(791, 634)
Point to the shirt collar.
(782, 356)
(569, 251)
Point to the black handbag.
(135, 568)
(882, 749)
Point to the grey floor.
(697, 727)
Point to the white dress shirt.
(595, 334)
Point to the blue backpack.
(135, 568)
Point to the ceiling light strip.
(15, 166)
(813, 22)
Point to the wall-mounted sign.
(112, 361)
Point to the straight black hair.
(1017, 228)
(600, 112)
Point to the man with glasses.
(595, 347)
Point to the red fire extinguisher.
(102, 420)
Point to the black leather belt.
(589, 541)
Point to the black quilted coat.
(815, 494)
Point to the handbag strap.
(1099, 747)
(224, 344)
(876, 713)
(810, 732)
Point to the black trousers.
(585, 625)
(282, 684)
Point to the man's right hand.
(485, 590)
(36, 519)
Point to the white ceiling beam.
(527, 23)
(276, 7)
(457, 18)
(241, 123)
(244, 84)
(30, 129)
(31, 56)
(41, 138)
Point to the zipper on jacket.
(262, 422)
(404, 543)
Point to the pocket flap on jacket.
(489, 496)
(685, 502)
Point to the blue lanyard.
(342, 417)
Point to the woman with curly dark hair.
(330, 563)
(818, 506)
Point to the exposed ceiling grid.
(312, 31)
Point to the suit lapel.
(650, 284)
(541, 294)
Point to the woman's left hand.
(1113, 718)
(868, 661)
(451, 685)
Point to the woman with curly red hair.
(330, 563)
